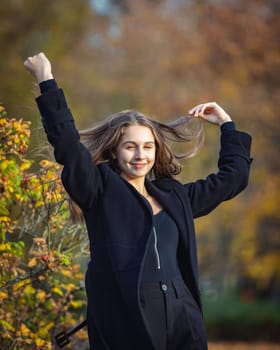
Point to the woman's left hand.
(210, 112)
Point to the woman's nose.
(139, 154)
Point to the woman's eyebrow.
(135, 142)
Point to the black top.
(161, 260)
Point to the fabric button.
(164, 287)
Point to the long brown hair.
(102, 140)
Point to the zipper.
(156, 248)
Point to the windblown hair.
(102, 141)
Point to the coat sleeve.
(80, 176)
(231, 178)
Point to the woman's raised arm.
(80, 176)
(233, 165)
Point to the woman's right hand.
(39, 66)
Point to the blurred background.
(162, 57)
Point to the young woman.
(142, 279)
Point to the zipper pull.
(156, 248)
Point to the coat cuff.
(48, 85)
(228, 126)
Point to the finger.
(199, 110)
(26, 64)
(194, 110)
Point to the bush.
(230, 317)
(40, 287)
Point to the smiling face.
(136, 152)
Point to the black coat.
(119, 223)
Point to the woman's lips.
(138, 165)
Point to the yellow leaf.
(57, 291)
(33, 262)
(46, 163)
(10, 189)
(66, 273)
(26, 165)
(39, 342)
(69, 287)
(41, 295)
(7, 325)
(44, 329)
(29, 290)
(76, 304)
(3, 295)
(4, 219)
(24, 330)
